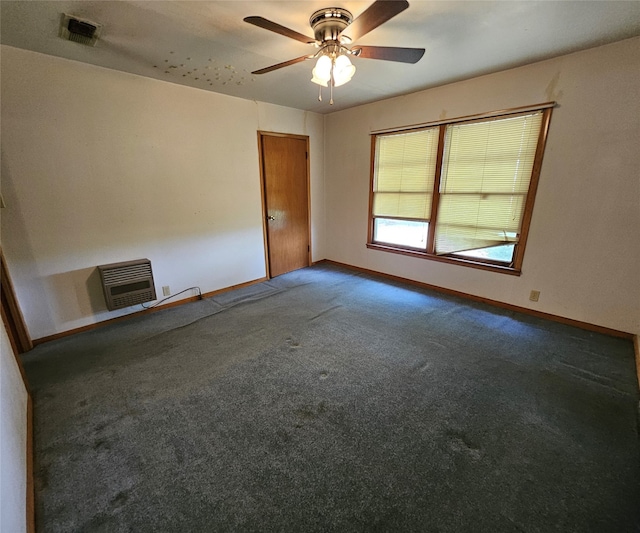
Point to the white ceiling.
(206, 44)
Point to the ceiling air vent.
(79, 30)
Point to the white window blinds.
(485, 177)
(404, 175)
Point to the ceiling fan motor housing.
(329, 22)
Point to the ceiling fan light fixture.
(336, 71)
(343, 70)
(322, 71)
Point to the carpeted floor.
(328, 400)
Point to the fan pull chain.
(331, 90)
(320, 93)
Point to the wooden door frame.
(14, 325)
(11, 315)
(261, 135)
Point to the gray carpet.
(327, 400)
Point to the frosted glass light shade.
(322, 71)
(343, 71)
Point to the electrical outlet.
(534, 296)
(166, 291)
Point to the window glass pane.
(503, 254)
(401, 232)
(482, 192)
(485, 178)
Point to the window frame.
(515, 267)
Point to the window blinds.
(404, 176)
(484, 182)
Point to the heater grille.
(127, 283)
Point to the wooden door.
(286, 201)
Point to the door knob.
(271, 218)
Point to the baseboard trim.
(495, 303)
(184, 301)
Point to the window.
(461, 191)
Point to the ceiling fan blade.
(283, 64)
(389, 53)
(277, 28)
(376, 14)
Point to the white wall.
(101, 166)
(13, 441)
(583, 251)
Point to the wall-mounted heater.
(127, 283)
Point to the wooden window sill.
(445, 259)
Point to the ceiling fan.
(335, 30)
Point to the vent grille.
(127, 283)
(79, 30)
(131, 299)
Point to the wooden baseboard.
(102, 323)
(495, 303)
